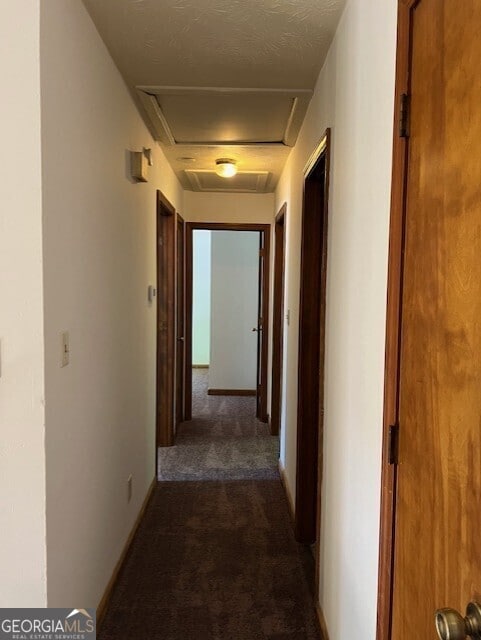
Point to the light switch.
(65, 349)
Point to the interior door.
(166, 320)
(437, 557)
(278, 321)
(180, 323)
(261, 329)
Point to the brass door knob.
(451, 625)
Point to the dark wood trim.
(322, 358)
(228, 226)
(189, 274)
(264, 415)
(281, 214)
(224, 226)
(278, 319)
(311, 350)
(168, 207)
(231, 392)
(180, 322)
(322, 622)
(104, 602)
(166, 315)
(393, 324)
(285, 486)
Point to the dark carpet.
(224, 441)
(214, 559)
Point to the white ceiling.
(177, 55)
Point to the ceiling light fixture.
(225, 168)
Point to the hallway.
(224, 441)
(130, 127)
(215, 556)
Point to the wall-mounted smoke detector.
(140, 161)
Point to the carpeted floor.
(224, 441)
(215, 559)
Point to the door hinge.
(404, 116)
(393, 444)
(261, 253)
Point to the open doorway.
(225, 314)
(278, 320)
(227, 319)
(225, 435)
(311, 349)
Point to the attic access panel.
(226, 118)
(210, 116)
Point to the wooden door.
(180, 323)
(166, 341)
(278, 321)
(312, 309)
(259, 329)
(437, 549)
(262, 326)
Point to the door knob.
(255, 329)
(451, 625)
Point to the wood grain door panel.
(166, 318)
(180, 322)
(437, 561)
(278, 320)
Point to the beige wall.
(22, 433)
(354, 96)
(229, 207)
(99, 258)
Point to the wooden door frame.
(165, 326)
(278, 319)
(393, 324)
(309, 439)
(190, 227)
(180, 220)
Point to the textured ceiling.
(275, 44)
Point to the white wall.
(354, 96)
(229, 207)
(99, 257)
(201, 267)
(234, 309)
(240, 208)
(22, 433)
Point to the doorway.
(430, 554)
(180, 324)
(167, 229)
(261, 322)
(278, 320)
(311, 346)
